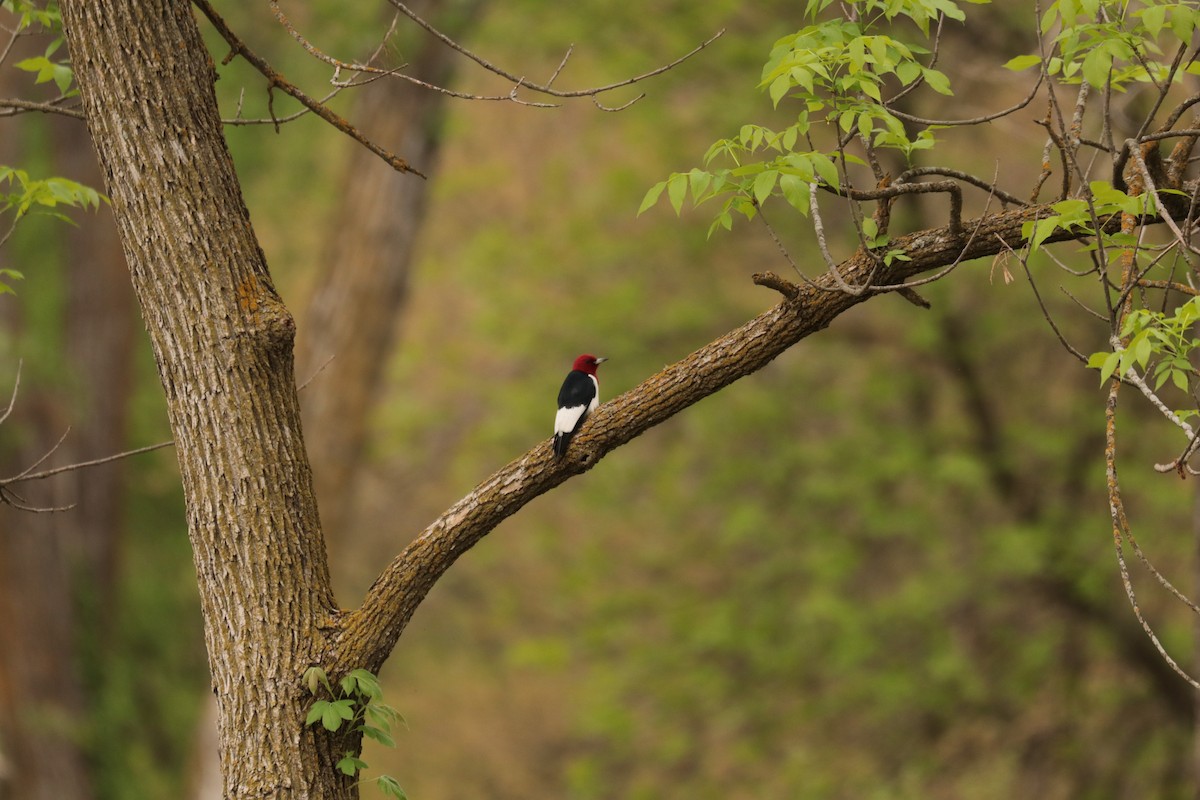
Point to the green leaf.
(764, 184)
(350, 765)
(1096, 67)
(1042, 230)
(314, 678)
(779, 89)
(337, 712)
(47, 71)
(38, 64)
(870, 228)
(368, 684)
(383, 715)
(826, 169)
(796, 191)
(391, 787)
(379, 735)
(316, 712)
(1111, 362)
(1153, 18)
(652, 196)
(1022, 62)
(1142, 348)
(908, 71)
(699, 181)
(937, 81)
(676, 190)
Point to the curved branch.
(896, 189)
(973, 120)
(368, 634)
(965, 177)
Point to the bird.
(578, 397)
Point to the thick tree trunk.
(223, 344)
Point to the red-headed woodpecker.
(578, 397)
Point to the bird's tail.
(561, 440)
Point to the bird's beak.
(600, 360)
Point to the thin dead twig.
(546, 88)
(275, 79)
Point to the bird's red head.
(588, 363)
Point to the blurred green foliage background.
(881, 568)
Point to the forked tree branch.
(238, 48)
(9, 497)
(369, 633)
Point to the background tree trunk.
(41, 699)
(356, 308)
(43, 713)
(99, 329)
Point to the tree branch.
(238, 47)
(546, 89)
(369, 633)
(11, 106)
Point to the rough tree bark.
(222, 340)
(223, 343)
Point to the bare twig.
(13, 397)
(316, 372)
(823, 246)
(37, 476)
(546, 88)
(1045, 311)
(773, 281)
(786, 254)
(24, 475)
(965, 177)
(970, 121)
(318, 54)
(896, 189)
(10, 497)
(1185, 246)
(275, 79)
(1121, 531)
(12, 106)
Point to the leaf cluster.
(40, 196)
(30, 13)
(1159, 344)
(356, 706)
(833, 73)
(47, 17)
(1113, 43)
(1088, 213)
(43, 194)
